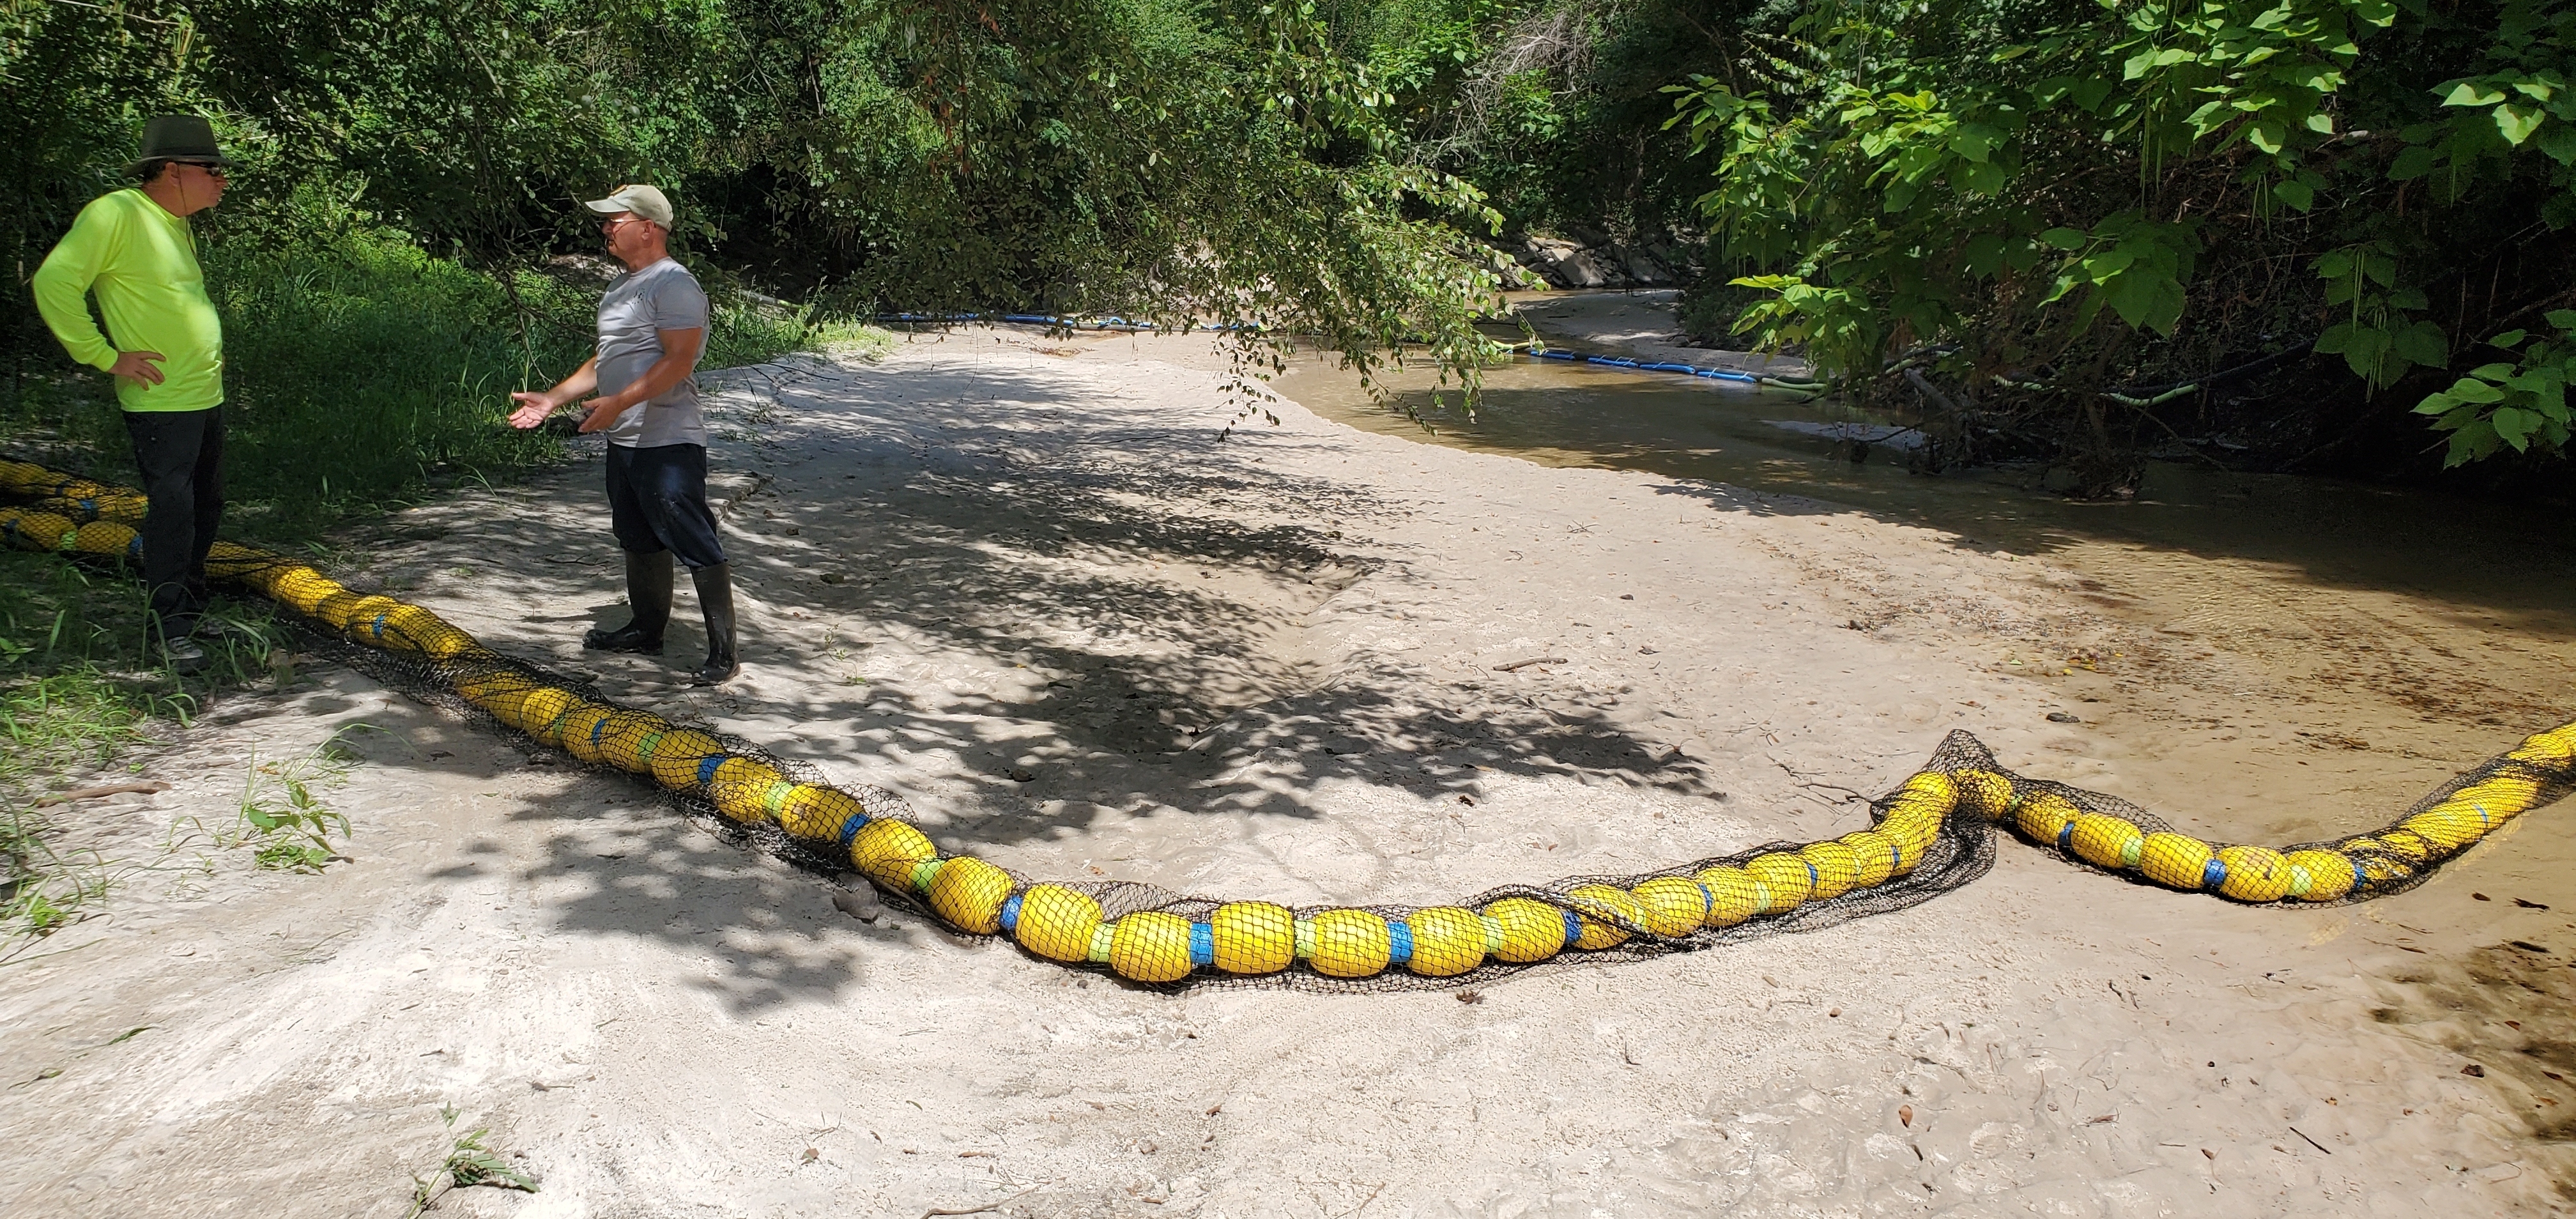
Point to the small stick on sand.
(112, 789)
(1518, 665)
(757, 486)
(978, 1210)
(2311, 1142)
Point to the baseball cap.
(644, 201)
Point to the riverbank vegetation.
(2123, 218)
(2315, 234)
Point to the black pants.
(181, 457)
(657, 500)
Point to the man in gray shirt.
(652, 328)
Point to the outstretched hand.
(533, 409)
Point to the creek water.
(2317, 654)
(2432, 608)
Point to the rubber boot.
(648, 593)
(715, 597)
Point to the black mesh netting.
(1933, 834)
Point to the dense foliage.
(1145, 157)
(2046, 204)
(2047, 221)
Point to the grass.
(282, 821)
(361, 375)
(468, 1163)
(77, 688)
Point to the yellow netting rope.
(1960, 794)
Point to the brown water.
(2317, 655)
(2439, 609)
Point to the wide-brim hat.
(179, 137)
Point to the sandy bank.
(1025, 584)
(1640, 324)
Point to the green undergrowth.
(467, 1162)
(78, 688)
(281, 818)
(362, 374)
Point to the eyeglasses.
(212, 171)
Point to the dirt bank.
(1022, 582)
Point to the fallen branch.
(111, 789)
(1519, 665)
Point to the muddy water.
(2277, 659)
(2448, 609)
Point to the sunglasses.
(212, 170)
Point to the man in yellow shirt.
(135, 250)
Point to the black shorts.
(657, 500)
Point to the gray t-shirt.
(637, 307)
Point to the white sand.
(1264, 667)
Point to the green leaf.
(2492, 372)
(2102, 266)
(2472, 93)
(2473, 441)
(2508, 340)
(2133, 297)
(2423, 343)
(2294, 193)
(2064, 239)
(2413, 162)
(2515, 426)
(2366, 352)
(2470, 389)
(2436, 404)
(1975, 141)
(2518, 122)
(2266, 136)
(2558, 143)
(2564, 319)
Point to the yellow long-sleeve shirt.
(142, 262)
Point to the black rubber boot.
(648, 592)
(715, 596)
